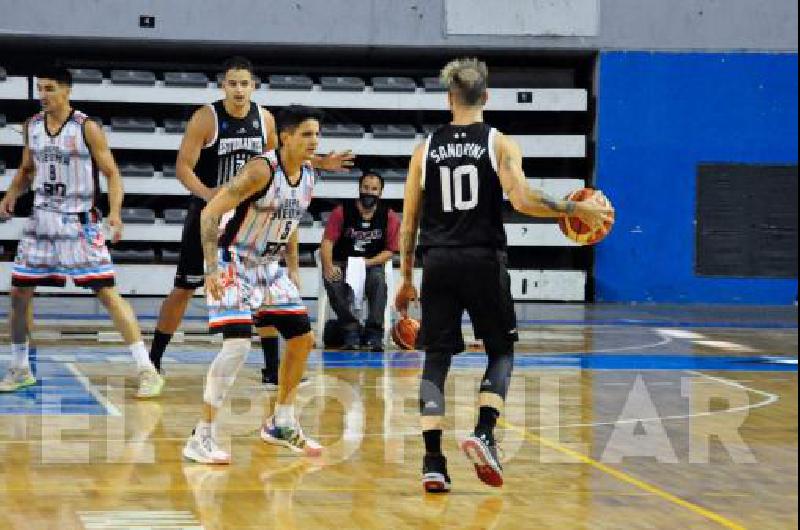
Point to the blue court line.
(663, 323)
(58, 392)
(582, 362)
(63, 384)
(541, 322)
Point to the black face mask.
(368, 200)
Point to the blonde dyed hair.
(467, 78)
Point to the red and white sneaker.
(482, 452)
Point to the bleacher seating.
(342, 130)
(411, 104)
(138, 215)
(351, 174)
(137, 169)
(168, 171)
(86, 76)
(133, 256)
(307, 219)
(174, 216)
(173, 126)
(393, 175)
(143, 125)
(133, 77)
(433, 84)
(185, 79)
(393, 131)
(342, 83)
(169, 256)
(393, 84)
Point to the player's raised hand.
(405, 294)
(337, 161)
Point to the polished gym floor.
(618, 417)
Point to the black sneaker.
(482, 452)
(352, 341)
(434, 474)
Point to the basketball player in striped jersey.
(219, 139)
(259, 212)
(455, 186)
(63, 238)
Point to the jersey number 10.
(453, 185)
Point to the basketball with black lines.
(577, 230)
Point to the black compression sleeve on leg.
(271, 359)
(498, 371)
(157, 348)
(431, 388)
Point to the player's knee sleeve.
(497, 377)
(223, 370)
(431, 388)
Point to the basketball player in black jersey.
(454, 194)
(219, 139)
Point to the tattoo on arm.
(209, 236)
(243, 185)
(408, 244)
(558, 205)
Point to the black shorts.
(474, 279)
(189, 274)
(288, 325)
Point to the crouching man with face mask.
(366, 229)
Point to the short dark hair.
(56, 73)
(290, 117)
(237, 63)
(371, 173)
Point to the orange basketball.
(577, 230)
(404, 333)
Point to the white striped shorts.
(58, 245)
(254, 294)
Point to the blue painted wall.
(659, 115)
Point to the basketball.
(577, 230)
(404, 333)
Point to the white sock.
(284, 415)
(19, 353)
(204, 428)
(141, 356)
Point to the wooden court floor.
(612, 422)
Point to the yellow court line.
(624, 477)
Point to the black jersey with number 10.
(462, 202)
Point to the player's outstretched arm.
(254, 176)
(535, 202)
(412, 202)
(199, 131)
(98, 145)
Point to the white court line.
(139, 519)
(770, 399)
(680, 334)
(82, 379)
(725, 345)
